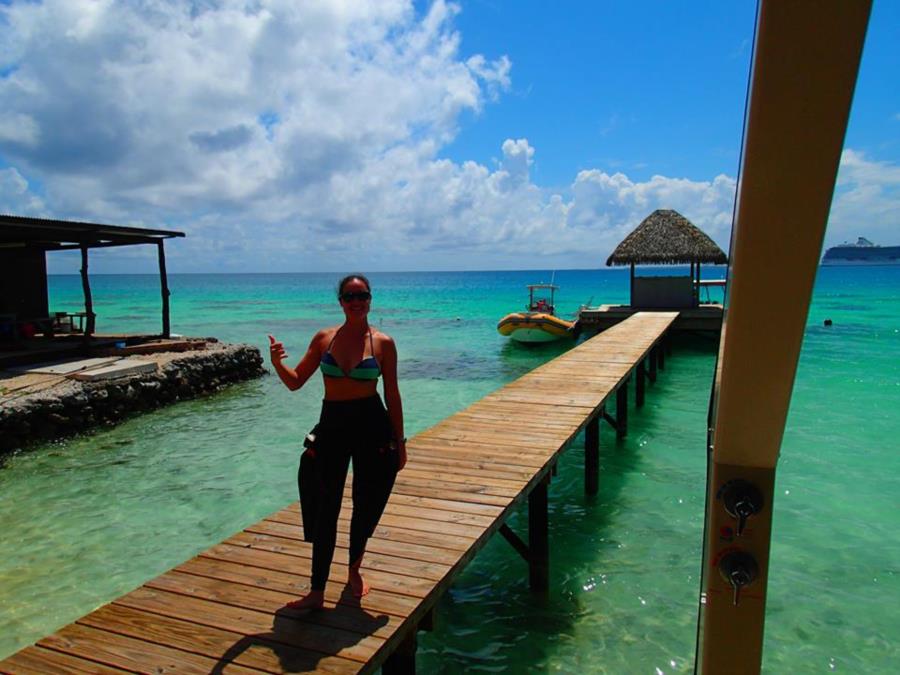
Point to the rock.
(73, 406)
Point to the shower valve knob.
(739, 569)
(741, 500)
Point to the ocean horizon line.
(550, 270)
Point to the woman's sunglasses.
(360, 295)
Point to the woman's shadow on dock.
(300, 639)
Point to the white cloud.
(16, 195)
(619, 204)
(18, 128)
(517, 157)
(298, 136)
(866, 201)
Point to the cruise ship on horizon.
(863, 252)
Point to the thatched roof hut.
(666, 237)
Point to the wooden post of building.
(660, 355)
(592, 456)
(651, 371)
(538, 539)
(639, 384)
(697, 287)
(622, 410)
(164, 288)
(403, 659)
(631, 287)
(88, 300)
(694, 288)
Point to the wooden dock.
(224, 610)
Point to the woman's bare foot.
(357, 584)
(312, 600)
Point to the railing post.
(622, 410)
(538, 538)
(592, 456)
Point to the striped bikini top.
(367, 369)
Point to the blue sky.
(645, 88)
(386, 135)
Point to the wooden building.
(24, 243)
(666, 237)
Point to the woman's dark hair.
(350, 277)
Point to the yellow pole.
(805, 64)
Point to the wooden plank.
(526, 455)
(521, 459)
(372, 561)
(267, 602)
(444, 486)
(297, 585)
(562, 414)
(36, 660)
(495, 437)
(123, 368)
(483, 467)
(426, 489)
(385, 581)
(440, 515)
(413, 524)
(385, 531)
(451, 478)
(289, 627)
(448, 505)
(413, 551)
(262, 651)
(531, 434)
(574, 400)
(132, 654)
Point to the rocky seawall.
(70, 406)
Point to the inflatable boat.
(538, 323)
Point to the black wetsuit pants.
(359, 430)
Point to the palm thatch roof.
(666, 237)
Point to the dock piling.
(539, 539)
(639, 383)
(622, 410)
(428, 621)
(402, 660)
(592, 456)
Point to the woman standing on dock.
(353, 424)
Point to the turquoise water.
(87, 519)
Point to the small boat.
(539, 322)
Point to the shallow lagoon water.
(89, 518)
